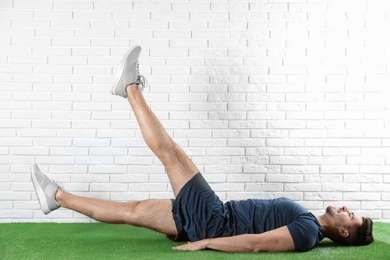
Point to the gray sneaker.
(45, 189)
(128, 73)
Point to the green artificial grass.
(105, 241)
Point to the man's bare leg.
(153, 214)
(179, 167)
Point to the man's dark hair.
(364, 233)
(362, 237)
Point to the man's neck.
(324, 223)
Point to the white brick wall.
(269, 98)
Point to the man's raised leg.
(153, 214)
(179, 167)
(129, 84)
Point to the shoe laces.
(59, 184)
(141, 80)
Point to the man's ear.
(343, 232)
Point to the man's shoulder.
(306, 232)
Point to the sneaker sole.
(40, 193)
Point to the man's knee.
(171, 154)
(179, 162)
(134, 212)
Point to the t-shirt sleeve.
(304, 233)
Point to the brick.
(294, 160)
(275, 178)
(303, 151)
(225, 151)
(104, 151)
(272, 187)
(134, 160)
(5, 186)
(15, 196)
(68, 169)
(13, 214)
(375, 187)
(341, 187)
(94, 160)
(73, 6)
(90, 178)
(51, 51)
(363, 196)
(4, 150)
(302, 187)
(117, 187)
(129, 196)
(6, 4)
(225, 169)
(5, 114)
(51, 123)
(288, 124)
(227, 187)
(37, 133)
(6, 205)
(139, 187)
(181, 43)
(29, 151)
(209, 16)
(284, 142)
(308, 115)
(269, 133)
(212, 124)
(206, 142)
(375, 204)
(55, 160)
(76, 133)
(245, 178)
(129, 178)
(266, 115)
(230, 133)
(321, 196)
(183, 25)
(227, 115)
(246, 143)
(253, 164)
(15, 123)
(68, 151)
(50, 142)
(327, 160)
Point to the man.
(197, 214)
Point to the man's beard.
(329, 210)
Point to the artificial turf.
(105, 241)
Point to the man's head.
(348, 228)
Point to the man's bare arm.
(278, 240)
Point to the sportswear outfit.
(200, 214)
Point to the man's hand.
(192, 246)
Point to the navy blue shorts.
(198, 212)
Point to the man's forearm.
(241, 243)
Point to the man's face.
(344, 217)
